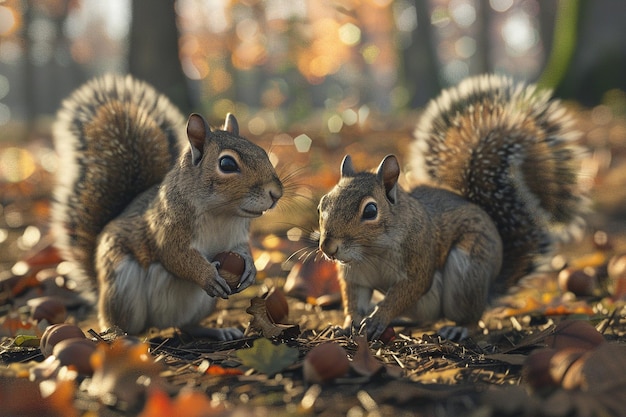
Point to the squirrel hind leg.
(467, 278)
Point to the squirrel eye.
(228, 164)
(370, 211)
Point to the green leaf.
(268, 358)
(25, 340)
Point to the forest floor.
(542, 350)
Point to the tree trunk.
(153, 51)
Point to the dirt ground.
(526, 358)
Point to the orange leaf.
(312, 278)
(119, 369)
(158, 404)
(188, 403)
(218, 370)
(46, 256)
(19, 396)
(14, 325)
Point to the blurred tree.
(564, 44)
(48, 73)
(153, 53)
(420, 62)
(598, 63)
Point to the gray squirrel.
(497, 181)
(143, 204)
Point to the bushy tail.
(115, 137)
(508, 148)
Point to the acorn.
(76, 352)
(566, 367)
(616, 270)
(581, 282)
(55, 334)
(48, 308)
(231, 267)
(325, 362)
(536, 369)
(276, 305)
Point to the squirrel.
(142, 204)
(497, 184)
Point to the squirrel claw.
(249, 273)
(218, 287)
(454, 333)
(339, 331)
(373, 326)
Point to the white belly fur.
(155, 298)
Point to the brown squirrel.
(498, 180)
(142, 205)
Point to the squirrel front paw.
(216, 286)
(374, 325)
(249, 272)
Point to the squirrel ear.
(231, 125)
(347, 169)
(388, 172)
(197, 131)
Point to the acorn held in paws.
(231, 266)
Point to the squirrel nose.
(275, 195)
(329, 246)
(276, 192)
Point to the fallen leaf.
(188, 403)
(219, 370)
(123, 372)
(23, 340)
(21, 397)
(268, 358)
(18, 284)
(312, 279)
(261, 321)
(593, 259)
(510, 358)
(565, 310)
(574, 333)
(42, 256)
(531, 305)
(605, 368)
(13, 325)
(364, 363)
(441, 376)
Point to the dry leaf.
(262, 322)
(187, 403)
(364, 363)
(21, 397)
(510, 358)
(409, 392)
(123, 372)
(441, 376)
(312, 279)
(574, 333)
(605, 368)
(13, 325)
